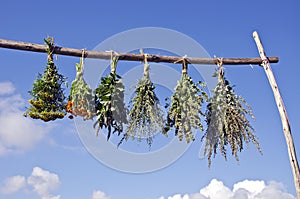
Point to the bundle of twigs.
(109, 102)
(185, 108)
(227, 121)
(81, 101)
(145, 116)
(48, 102)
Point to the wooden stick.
(129, 57)
(283, 114)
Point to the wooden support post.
(25, 46)
(282, 112)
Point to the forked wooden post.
(282, 112)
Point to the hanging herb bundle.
(145, 116)
(227, 121)
(109, 102)
(48, 102)
(185, 109)
(81, 101)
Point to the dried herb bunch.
(81, 100)
(145, 116)
(185, 109)
(109, 102)
(48, 102)
(227, 121)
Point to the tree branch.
(25, 46)
(283, 114)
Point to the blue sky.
(53, 156)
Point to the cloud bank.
(13, 184)
(247, 189)
(43, 182)
(40, 181)
(17, 133)
(6, 88)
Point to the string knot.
(80, 66)
(265, 60)
(183, 59)
(146, 66)
(219, 61)
(114, 60)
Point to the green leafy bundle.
(227, 121)
(48, 102)
(81, 100)
(185, 109)
(145, 116)
(109, 102)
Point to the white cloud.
(197, 196)
(13, 184)
(216, 189)
(43, 182)
(251, 187)
(99, 195)
(275, 190)
(40, 181)
(17, 133)
(6, 88)
(247, 189)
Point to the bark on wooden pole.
(282, 112)
(17, 45)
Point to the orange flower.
(81, 102)
(70, 103)
(69, 107)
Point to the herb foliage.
(81, 100)
(185, 113)
(48, 99)
(145, 116)
(109, 102)
(227, 120)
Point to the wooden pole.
(129, 57)
(282, 112)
